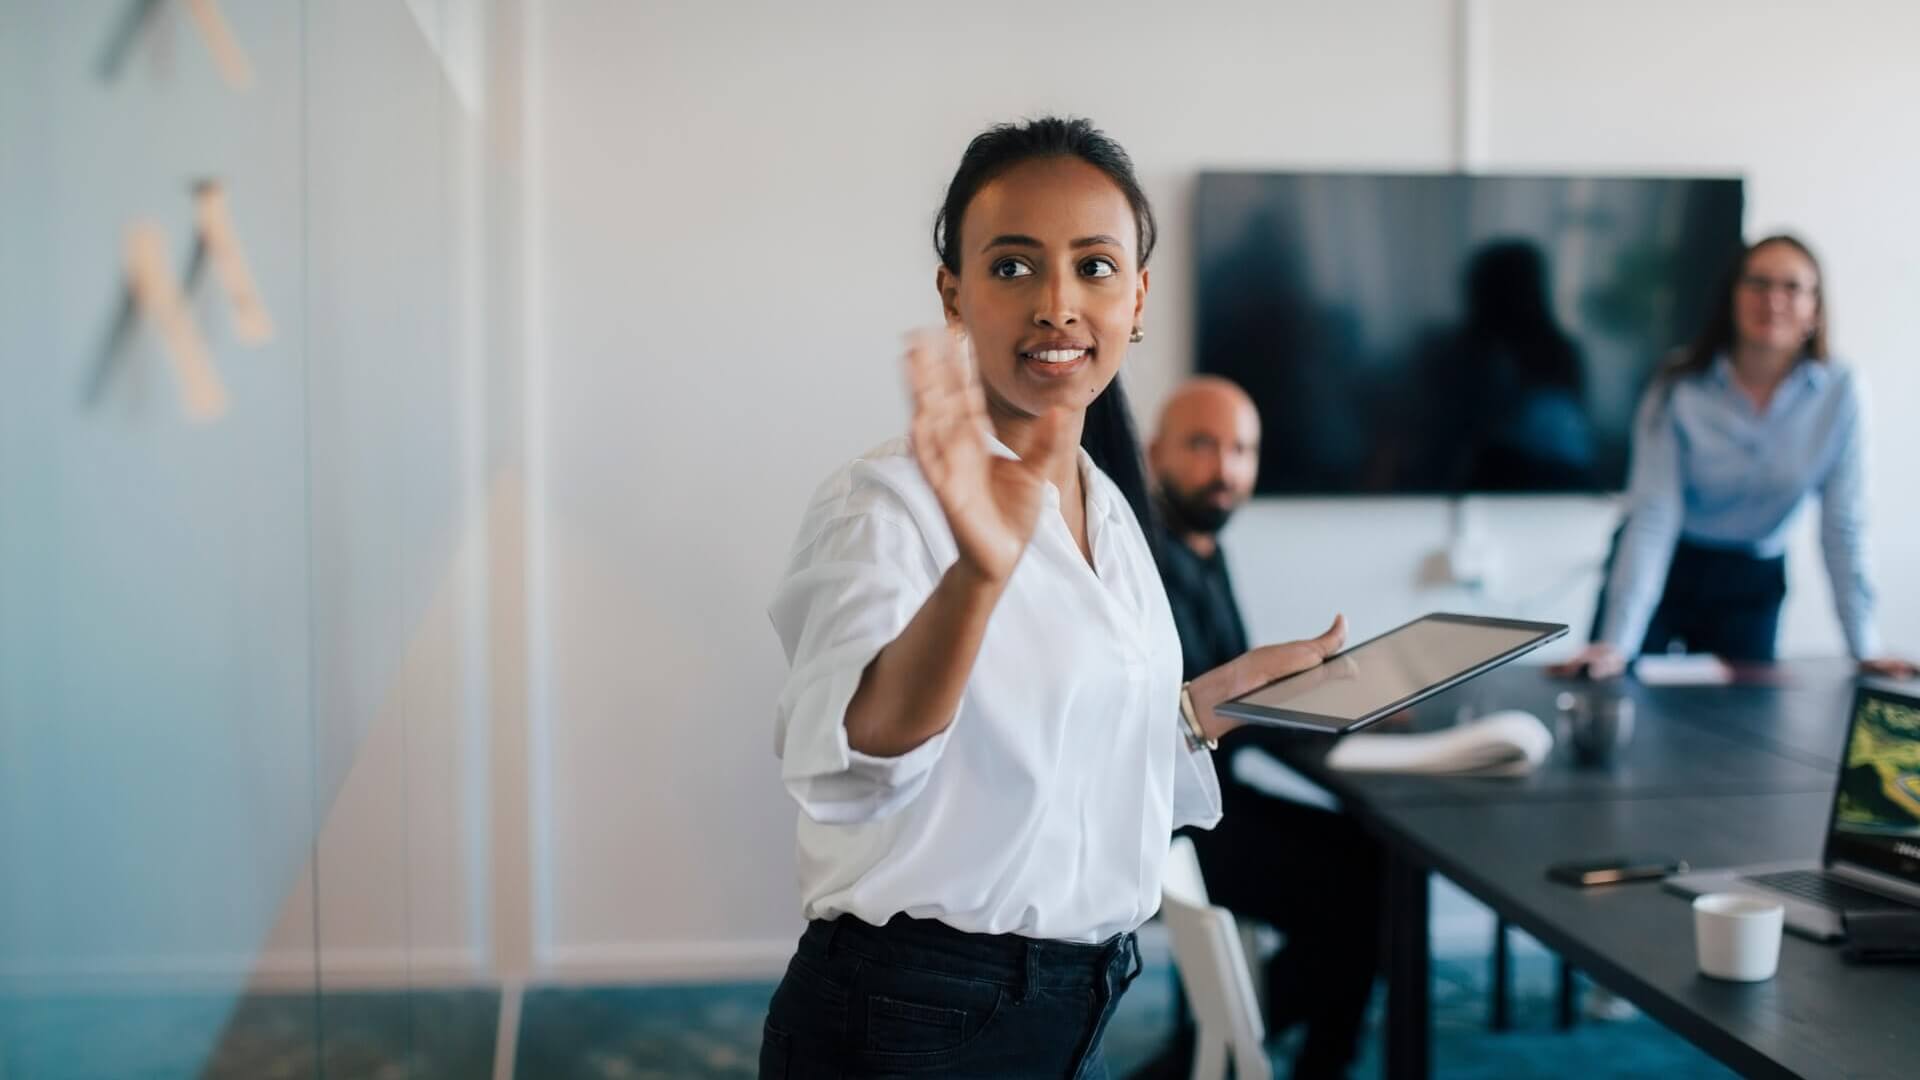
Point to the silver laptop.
(1872, 856)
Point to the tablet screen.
(1392, 667)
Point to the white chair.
(1213, 970)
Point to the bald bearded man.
(1311, 872)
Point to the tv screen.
(1449, 334)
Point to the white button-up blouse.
(1045, 807)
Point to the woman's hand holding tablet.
(1383, 675)
(1256, 668)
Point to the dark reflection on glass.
(1268, 302)
(1440, 334)
(1504, 395)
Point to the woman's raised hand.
(992, 503)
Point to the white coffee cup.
(1737, 937)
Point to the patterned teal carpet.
(683, 1032)
(657, 1033)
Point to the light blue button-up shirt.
(1710, 468)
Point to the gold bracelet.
(1196, 738)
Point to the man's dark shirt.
(1201, 595)
(1200, 592)
(1255, 860)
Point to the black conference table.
(1718, 776)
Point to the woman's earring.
(1137, 336)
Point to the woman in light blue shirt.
(1729, 441)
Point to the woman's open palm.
(992, 503)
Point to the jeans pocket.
(906, 1027)
(903, 1017)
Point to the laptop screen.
(1876, 813)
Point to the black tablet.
(1383, 675)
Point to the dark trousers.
(917, 997)
(1320, 879)
(1715, 601)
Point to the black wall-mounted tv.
(1451, 334)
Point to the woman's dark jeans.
(1715, 600)
(918, 998)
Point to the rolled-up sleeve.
(1196, 788)
(857, 577)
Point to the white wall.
(736, 206)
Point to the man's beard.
(1194, 512)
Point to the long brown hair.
(1716, 336)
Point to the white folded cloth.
(1506, 743)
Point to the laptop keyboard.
(1818, 888)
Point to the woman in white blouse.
(984, 724)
